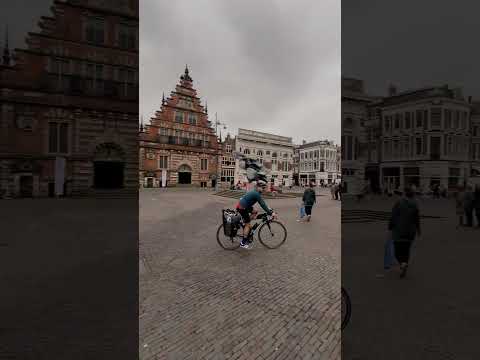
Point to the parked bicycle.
(271, 233)
(346, 308)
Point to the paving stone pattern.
(433, 313)
(198, 301)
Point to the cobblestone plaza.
(198, 301)
(412, 318)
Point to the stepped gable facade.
(69, 103)
(179, 146)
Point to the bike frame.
(264, 218)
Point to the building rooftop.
(316, 143)
(421, 93)
(245, 134)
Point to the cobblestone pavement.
(198, 301)
(68, 271)
(433, 314)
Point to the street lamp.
(219, 161)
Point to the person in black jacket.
(469, 205)
(405, 225)
(476, 204)
(309, 199)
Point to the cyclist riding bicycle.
(245, 209)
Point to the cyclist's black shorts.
(245, 213)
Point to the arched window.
(246, 152)
(274, 155)
(260, 153)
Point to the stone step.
(107, 194)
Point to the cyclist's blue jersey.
(251, 198)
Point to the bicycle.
(271, 233)
(346, 308)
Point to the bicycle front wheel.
(346, 308)
(272, 234)
(226, 242)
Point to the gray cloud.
(411, 43)
(21, 16)
(271, 65)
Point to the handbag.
(302, 211)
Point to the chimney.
(392, 90)
(304, 142)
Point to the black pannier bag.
(230, 222)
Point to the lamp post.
(219, 161)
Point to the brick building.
(179, 146)
(69, 104)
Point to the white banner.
(164, 178)
(59, 175)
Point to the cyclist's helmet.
(262, 183)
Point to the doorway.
(184, 175)
(108, 166)
(108, 174)
(26, 186)
(184, 178)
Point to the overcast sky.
(275, 65)
(21, 16)
(265, 65)
(411, 44)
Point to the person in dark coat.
(405, 225)
(309, 199)
(476, 204)
(468, 204)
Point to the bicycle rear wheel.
(346, 308)
(272, 234)
(226, 242)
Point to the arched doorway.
(26, 186)
(109, 166)
(184, 175)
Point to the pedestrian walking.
(337, 190)
(405, 225)
(459, 206)
(333, 190)
(476, 204)
(309, 199)
(468, 205)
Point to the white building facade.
(318, 163)
(274, 152)
(426, 139)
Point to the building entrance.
(108, 166)
(184, 175)
(26, 186)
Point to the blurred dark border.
(410, 119)
(69, 179)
